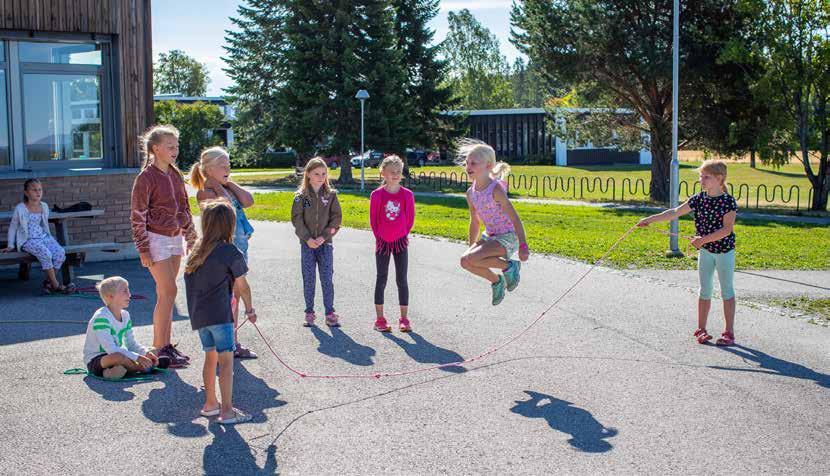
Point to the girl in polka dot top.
(715, 211)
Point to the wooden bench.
(75, 254)
(75, 257)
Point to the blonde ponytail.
(208, 158)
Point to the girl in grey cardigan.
(29, 232)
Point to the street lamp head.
(362, 95)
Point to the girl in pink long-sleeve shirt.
(392, 214)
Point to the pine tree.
(425, 71)
(255, 66)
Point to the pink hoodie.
(391, 216)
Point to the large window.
(61, 112)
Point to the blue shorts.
(218, 337)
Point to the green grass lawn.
(817, 307)
(584, 233)
(768, 187)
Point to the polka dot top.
(709, 212)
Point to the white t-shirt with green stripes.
(106, 335)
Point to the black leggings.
(401, 263)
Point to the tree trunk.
(752, 159)
(345, 170)
(660, 164)
(821, 186)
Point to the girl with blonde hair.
(210, 176)
(161, 225)
(715, 213)
(504, 232)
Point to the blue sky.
(198, 28)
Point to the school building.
(75, 94)
(518, 134)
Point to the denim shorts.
(508, 241)
(218, 337)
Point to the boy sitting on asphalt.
(110, 349)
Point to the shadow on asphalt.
(587, 434)
(23, 301)
(229, 453)
(175, 405)
(425, 352)
(774, 366)
(339, 345)
(114, 391)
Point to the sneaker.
(115, 373)
(309, 319)
(381, 325)
(242, 352)
(164, 361)
(511, 274)
(498, 291)
(332, 320)
(178, 352)
(170, 352)
(404, 325)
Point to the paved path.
(742, 215)
(610, 382)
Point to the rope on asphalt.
(378, 375)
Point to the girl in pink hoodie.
(391, 214)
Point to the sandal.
(238, 417)
(727, 338)
(702, 336)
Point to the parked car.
(333, 161)
(421, 157)
(372, 158)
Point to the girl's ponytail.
(500, 171)
(197, 176)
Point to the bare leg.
(226, 384)
(703, 306)
(729, 315)
(482, 256)
(164, 273)
(379, 310)
(53, 279)
(404, 311)
(111, 360)
(209, 377)
(235, 312)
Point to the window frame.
(4, 67)
(108, 94)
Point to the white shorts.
(163, 247)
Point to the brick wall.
(110, 192)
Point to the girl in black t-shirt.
(715, 211)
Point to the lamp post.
(362, 95)
(674, 172)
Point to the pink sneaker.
(381, 325)
(332, 320)
(309, 319)
(404, 325)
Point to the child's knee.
(466, 262)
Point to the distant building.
(225, 132)
(521, 133)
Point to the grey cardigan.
(19, 226)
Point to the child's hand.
(524, 252)
(332, 231)
(251, 315)
(7, 250)
(644, 222)
(698, 242)
(155, 360)
(312, 243)
(320, 241)
(144, 362)
(146, 260)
